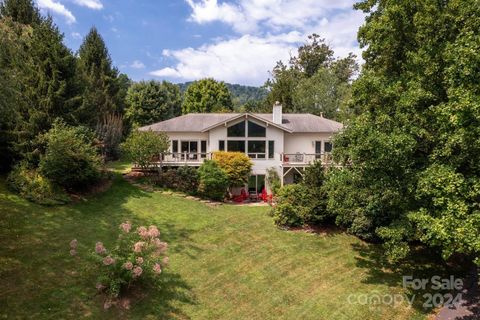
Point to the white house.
(285, 141)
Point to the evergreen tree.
(44, 80)
(21, 11)
(49, 90)
(99, 81)
(15, 64)
(152, 101)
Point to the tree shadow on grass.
(422, 264)
(36, 238)
(164, 299)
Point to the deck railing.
(185, 157)
(197, 158)
(305, 158)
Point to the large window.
(327, 147)
(256, 149)
(189, 149)
(255, 130)
(271, 149)
(236, 145)
(318, 149)
(237, 130)
(174, 146)
(203, 148)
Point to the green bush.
(273, 180)
(213, 180)
(70, 159)
(314, 179)
(184, 179)
(305, 202)
(142, 147)
(33, 186)
(237, 166)
(293, 207)
(187, 179)
(167, 179)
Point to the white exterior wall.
(259, 165)
(304, 142)
(288, 143)
(187, 136)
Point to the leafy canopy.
(70, 159)
(207, 95)
(413, 176)
(142, 147)
(313, 81)
(152, 101)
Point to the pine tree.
(21, 11)
(44, 70)
(101, 85)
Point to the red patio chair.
(264, 195)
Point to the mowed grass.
(228, 262)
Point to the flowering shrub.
(138, 254)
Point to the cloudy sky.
(237, 41)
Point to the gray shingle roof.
(198, 122)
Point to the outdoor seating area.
(253, 196)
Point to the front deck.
(287, 160)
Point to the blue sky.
(181, 40)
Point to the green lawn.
(227, 262)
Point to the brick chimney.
(277, 113)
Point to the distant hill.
(240, 93)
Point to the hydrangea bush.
(137, 255)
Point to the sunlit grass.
(226, 262)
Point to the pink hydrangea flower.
(153, 231)
(108, 260)
(73, 244)
(162, 247)
(143, 232)
(128, 265)
(73, 252)
(126, 226)
(137, 271)
(137, 247)
(99, 248)
(165, 261)
(139, 260)
(157, 268)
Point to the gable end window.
(237, 130)
(255, 130)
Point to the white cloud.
(76, 35)
(269, 30)
(137, 64)
(247, 59)
(58, 8)
(92, 4)
(249, 15)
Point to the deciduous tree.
(207, 95)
